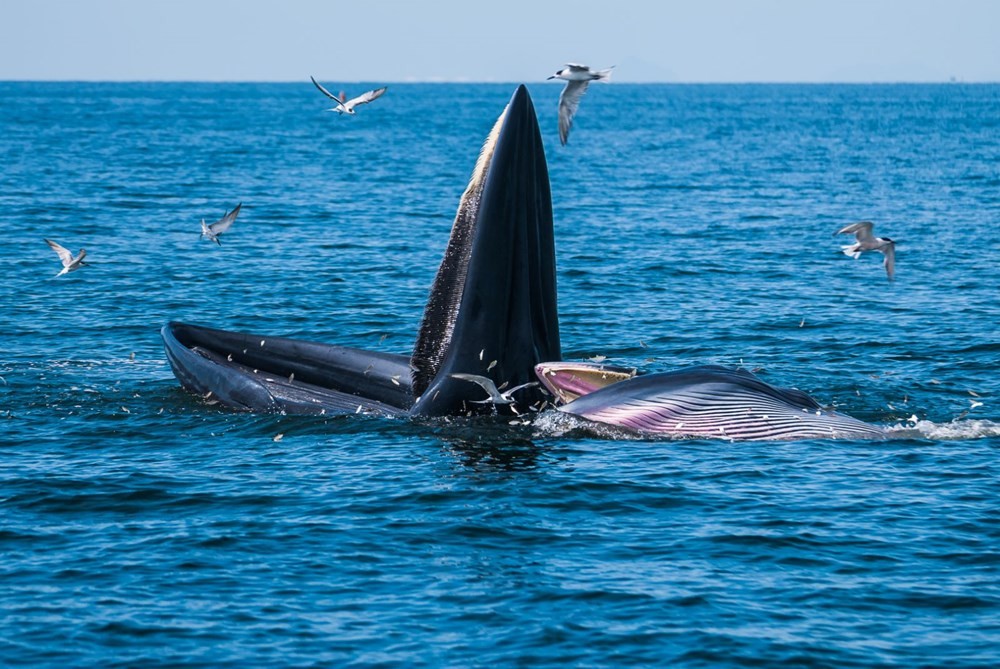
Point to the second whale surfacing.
(492, 313)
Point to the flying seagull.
(867, 242)
(486, 383)
(577, 77)
(345, 106)
(69, 262)
(215, 229)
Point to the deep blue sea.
(142, 527)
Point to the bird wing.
(889, 251)
(484, 382)
(223, 223)
(576, 67)
(366, 97)
(325, 92)
(79, 259)
(569, 102)
(508, 395)
(64, 255)
(862, 230)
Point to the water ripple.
(145, 527)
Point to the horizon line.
(761, 82)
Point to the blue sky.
(512, 40)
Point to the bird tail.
(851, 251)
(604, 75)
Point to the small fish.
(278, 437)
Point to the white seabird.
(345, 106)
(495, 396)
(866, 241)
(69, 261)
(577, 78)
(215, 229)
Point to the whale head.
(492, 308)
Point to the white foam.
(561, 424)
(955, 430)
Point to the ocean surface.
(142, 527)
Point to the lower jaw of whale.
(698, 402)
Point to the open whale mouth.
(491, 312)
(489, 327)
(568, 381)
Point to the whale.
(706, 401)
(491, 312)
(491, 317)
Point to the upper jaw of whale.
(492, 310)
